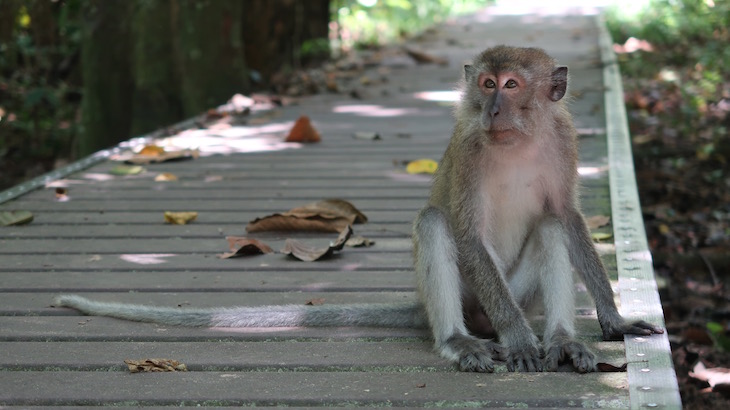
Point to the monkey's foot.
(474, 355)
(617, 331)
(581, 357)
(526, 358)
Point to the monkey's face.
(511, 89)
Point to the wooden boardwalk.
(109, 242)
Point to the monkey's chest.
(512, 203)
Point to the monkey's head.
(511, 90)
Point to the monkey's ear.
(559, 83)
(469, 72)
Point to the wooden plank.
(312, 389)
(241, 356)
(180, 279)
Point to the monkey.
(500, 235)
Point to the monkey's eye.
(489, 84)
(511, 84)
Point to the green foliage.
(685, 77)
(37, 56)
(365, 23)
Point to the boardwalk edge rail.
(652, 379)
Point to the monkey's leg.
(586, 261)
(545, 267)
(440, 288)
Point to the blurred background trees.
(77, 76)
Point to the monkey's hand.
(525, 356)
(618, 330)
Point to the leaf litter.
(307, 253)
(242, 246)
(155, 365)
(329, 215)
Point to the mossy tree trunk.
(156, 101)
(150, 63)
(210, 54)
(286, 34)
(107, 75)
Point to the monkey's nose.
(494, 111)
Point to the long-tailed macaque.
(501, 232)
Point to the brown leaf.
(315, 302)
(302, 131)
(608, 367)
(155, 365)
(597, 221)
(338, 206)
(329, 215)
(242, 246)
(307, 253)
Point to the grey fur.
(377, 315)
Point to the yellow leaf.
(601, 236)
(422, 166)
(664, 229)
(122, 170)
(166, 176)
(180, 218)
(152, 150)
(8, 218)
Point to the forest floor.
(684, 179)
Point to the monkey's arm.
(587, 262)
(515, 334)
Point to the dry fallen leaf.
(329, 215)
(155, 365)
(601, 236)
(166, 176)
(151, 150)
(9, 218)
(307, 253)
(180, 218)
(597, 221)
(422, 166)
(302, 131)
(608, 367)
(242, 246)
(359, 242)
(315, 302)
(154, 156)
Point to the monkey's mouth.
(501, 133)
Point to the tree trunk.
(156, 100)
(8, 50)
(107, 76)
(210, 52)
(285, 34)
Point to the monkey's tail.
(409, 314)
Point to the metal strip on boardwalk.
(652, 380)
